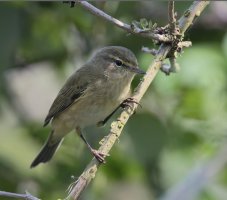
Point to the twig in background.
(26, 196)
(172, 19)
(199, 177)
(150, 51)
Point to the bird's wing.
(73, 89)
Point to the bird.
(90, 96)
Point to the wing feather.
(73, 89)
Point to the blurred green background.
(181, 125)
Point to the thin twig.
(122, 25)
(174, 65)
(191, 14)
(183, 44)
(150, 51)
(117, 126)
(172, 18)
(174, 32)
(26, 196)
(46, 57)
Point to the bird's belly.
(86, 112)
(93, 113)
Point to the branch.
(172, 19)
(150, 51)
(118, 125)
(26, 196)
(122, 25)
(191, 14)
(54, 56)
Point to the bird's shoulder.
(75, 87)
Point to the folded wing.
(73, 89)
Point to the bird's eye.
(118, 63)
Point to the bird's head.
(117, 62)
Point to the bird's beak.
(136, 70)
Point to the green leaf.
(144, 23)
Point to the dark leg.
(102, 123)
(98, 155)
(125, 103)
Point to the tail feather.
(46, 153)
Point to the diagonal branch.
(117, 126)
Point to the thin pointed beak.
(136, 70)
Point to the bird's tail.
(46, 152)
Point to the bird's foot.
(99, 156)
(128, 101)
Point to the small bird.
(90, 96)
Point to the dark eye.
(118, 63)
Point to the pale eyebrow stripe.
(127, 64)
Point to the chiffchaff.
(90, 95)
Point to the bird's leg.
(124, 104)
(98, 155)
(102, 123)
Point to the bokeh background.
(182, 125)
